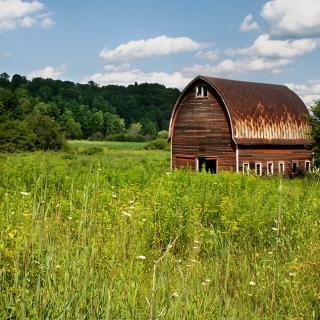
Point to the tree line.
(43, 113)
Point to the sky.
(167, 41)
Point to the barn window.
(295, 167)
(307, 165)
(201, 92)
(246, 168)
(281, 167)
(270, 168)
(258, 168)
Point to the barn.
(219, 124)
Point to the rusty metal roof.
(262, 113)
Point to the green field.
(100, 233)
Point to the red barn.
(220, 124)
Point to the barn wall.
(201, 128)
(276, 154)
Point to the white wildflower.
(69, 218)
(25, 194)
(131, 207)
(126, 214)
(141, 257)
(252, 283)
(168, 173)
(114, 195)
(274, 229)
(270, 252)
(131, 201)
(208, 280)
(175, 294)
(195, 247)
(196, 241)
(292, 274)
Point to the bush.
(98, 136)
(16, 136)
(158, 144)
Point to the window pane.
(205, 91)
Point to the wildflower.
(292, 274)
(141, 257)
(208, 280)
(270, 252)
(175, 294)
(131, 201)
(195, 247)
(58, 266)
(131, 207)
(252, 283)
(114, 195)
(126, 214)
(250, 294)
(168, 173)
(25, 194)
(205, 284)
(196, 241)
(274, 229)
(144, 220)
(178, 260)
(69, 218)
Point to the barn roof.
(261, 113)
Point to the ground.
(106, 231)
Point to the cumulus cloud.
(295, 19)
(25, 14)
(248, 24)
(208, 55)
(230, 68)
(153, 47)
(174, 80)
(48, 72)
(309, 92)
(266, 47)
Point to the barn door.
(210, 165)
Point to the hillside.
(31, 109)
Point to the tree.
(315, 131)
(113, 123)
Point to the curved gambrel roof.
(259, 113)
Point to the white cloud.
(266, 47)
(117, 68)
(230, 68)
(159, 46)
(248, 24)
(208, 55)
(296, 19)
(25, 14)
(174, 80)
(309, 92)
(48, 72)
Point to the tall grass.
(116, 236)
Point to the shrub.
(158, 144)
(92, 151)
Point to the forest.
(40, 114)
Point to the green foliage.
(163, 134)
(80, 234)
(159, 144)
(15, 135)
(315, 132)
(133, 113)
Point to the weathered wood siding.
(201, 128)
(286, 154)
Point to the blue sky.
(170, 42)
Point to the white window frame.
(255, 168)
(201, 95)
(243, 166)
(305, 165)
(268, 173)
(284, 167)
(297, 162)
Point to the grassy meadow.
(105, 231)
